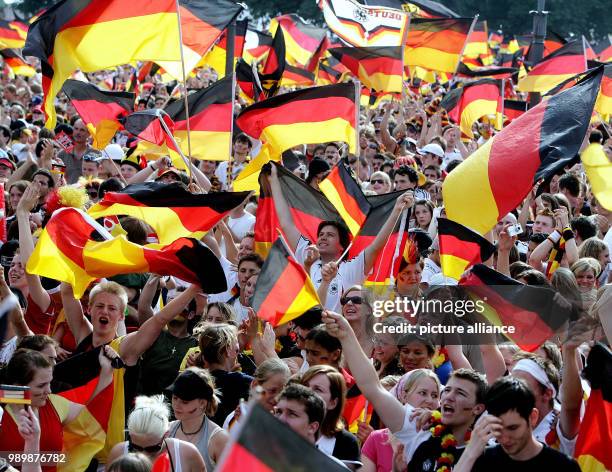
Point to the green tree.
(271, 8)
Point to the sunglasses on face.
(376, 181)
(355, 300)
(148, 449)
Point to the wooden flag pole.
(187, 162)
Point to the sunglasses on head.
(376, 181)
(356, 300)
(148, 449)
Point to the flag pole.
(465, 44)
(398, 243)
(357, 112)
(187, 162)
(230, 176)
(180, 30)
(403, 46)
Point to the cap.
(181, 175)
(114, 152)
(189, 386)
(5, 161)
(432, 148)
(37, 100)
(133, 161)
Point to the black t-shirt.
(426, 455)
(233, 386)
(494, 458)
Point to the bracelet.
(568, 234)
(554, 237)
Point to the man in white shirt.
(332, 241)
(227, 171)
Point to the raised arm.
(282, 210)
(21, 171)
(26, 244)
(134, 344)
(145, 301)
(77, 322)
(371, 252)
(390, 410)
(387, 140)
(571, 391)
(504, 246)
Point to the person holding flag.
(325, 258)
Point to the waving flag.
(478, 193)
(363, 26)
(301, 38)
(555, 68)
(477, 42)
(468, 104)
(16, 63)
(216, 57)
(598, 169)
(169, 209)
(100, 110)
(313, 115)
(10, 36)
(436, 44)
(256, 45)
(378, 68)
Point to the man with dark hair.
(323, 259)
(248, 265)
(510, 419)
(569, 185)
(405, 178)
(73, 159)
(227, 171)
(584, 228)
(302, 410)
(332, 153)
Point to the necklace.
(196, 432)
(446, 460)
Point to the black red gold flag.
(301, 39)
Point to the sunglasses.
(148, 449)
(376, 181)
(354, 300)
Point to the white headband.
(531, 367)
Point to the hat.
(37, 100)
(432, 148)
(5, 161)
(189, 386)
(114, 152)
(92, 156)
(181, 175)
(133, 161)
(316, 166)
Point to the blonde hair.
(585, 263)
(271, 367)
(112, 288)
(384, 176)
(150, 416)
(215, 339)
(592, 247)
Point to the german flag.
(314, 115)
(468, 104)
(330, 71)
(272, 71)
(16, 63)
(421, 8)
(86, 436)
(485, 72)
(356, 409)
(308, 208)
(247, 78)
(513, 109)
(593, 451)
(555, 68)
(536, 312)
(10, 36)
(284, 290)
(347, 197)
(67, 252)
(147, 125)
(477, 42)
(264, 444)
(605, 53)
(216, 57)
(553, 41)
(202, 24)
(461, 248)
(256, 45)
(294, 76)
(378, 68)
(362, 25)
(100, 110)
(478, 193)
(169, 209)
(436, 44)
(211, 111)
(604, 101)
(385, 265)
(599, 172)
(301, 38)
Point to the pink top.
(378, 450)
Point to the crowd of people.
(185, 363)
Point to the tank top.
(209, 430)
(175, 456)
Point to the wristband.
(554, 237)
(568, 234)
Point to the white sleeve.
(300, 250)
(352, 271)
(566, 446)
(409, 436)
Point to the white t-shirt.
(241, 226)
(350, 272)
(566, 446)
(429, 270)
(221, 172)
(231, 278)
(409, 436)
